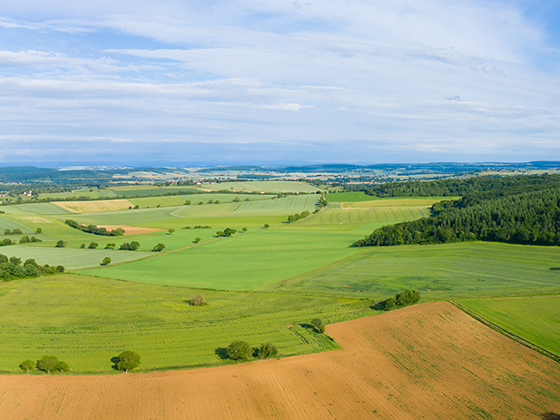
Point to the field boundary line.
(508, 334)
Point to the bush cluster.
(12, 268)
(241, 350)
(296, 217)
(46, 364)
(133, 246)
(406, 298)
(94, 229)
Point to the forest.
(511, 214)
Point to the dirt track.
(429, 361)
(131, 230)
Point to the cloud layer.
(276, 81)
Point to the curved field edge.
(426, 361)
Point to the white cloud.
(431, 77)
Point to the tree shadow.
(114, 361)
(550, 416)
(378, 306)
(308, 326)
(221, 352)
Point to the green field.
(86, 321)
(263, 186)
(147, 190)
(35, 209)
(179, 200)
(336, 216)
(90, 193)
(352, 196)
(535, 319)
(436, 271)
(243, 262)
(70, 258)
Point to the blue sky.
(279, 81)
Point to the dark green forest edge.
(517, 210)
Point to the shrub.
(239, 350)
(197, 240)
(197, 300)
(34, 239)
(106, 261)
(60, 244)
(159, 247)
(60, 268)
(267, 350)
(83, 245)
(24, 240)
(38, 231)
(93, 245)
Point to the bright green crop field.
(535, 319)
(352, 196)
(87, 321)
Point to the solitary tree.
(187, 202)
(267, 350)
(60, 244)
(128, 360)
(47, 363)
(27, 365)
(244, 229)
(106, 261)
(134, 245)
(110, 245)
(266, 225)
(93, 245)
(38, 231)
(318, 324)
(197, 240)
(239, 350)
(83, 245)
(171, 231)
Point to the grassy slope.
(95, 319)
(179, 200)
(436, 271)
(535, 319)
(352, 196)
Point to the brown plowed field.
(429, 361)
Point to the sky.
(198, 82)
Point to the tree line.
(94, 229)
(461, 187)
(526, 218)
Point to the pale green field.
(535, 319)
(34, 209)
(334, 216)
(263, 186)
(353, 196)
(70, 258)
(9, 223)
(91, 193)
(179, 200)
(397, 202)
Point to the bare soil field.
(131, 230)
(94, 206)
(429, 361)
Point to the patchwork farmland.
(265, 283)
